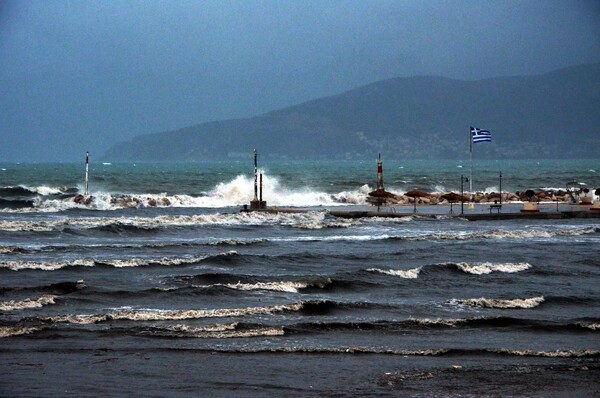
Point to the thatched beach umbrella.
(452, 198)
(379, 197)
(415, 193)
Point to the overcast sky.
(85, 74)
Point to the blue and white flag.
(479, 135)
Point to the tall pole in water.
(255, 177)
(261, 185)
(380, 173)
(87, 162)
(462, 197)
(500, 187)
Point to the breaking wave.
(219, 331)
(119, 263)
(8, 331)
(173, 315)
(10, 249)
(408, 274)
(589, 325)
(306, 307)
(549, 354)
(284, 286)
(499, 303)
(486, 268)
(42, 190)
(234, 193)
(357, 350)
(504, 234)
(13, 305)
(45, 266)
(308, 220)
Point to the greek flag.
(479, 135)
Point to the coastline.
(479, 211)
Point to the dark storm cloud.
(78, 74)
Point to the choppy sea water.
(195, 297)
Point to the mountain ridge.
(420, 117)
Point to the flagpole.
(471, 162)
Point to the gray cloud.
(77, 75)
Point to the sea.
(160, 286)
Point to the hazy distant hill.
(551, 115)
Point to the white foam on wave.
(504, 234)
(588, 325)
(219, 331)
(437, 321)
(285, 286)
(487, 268)
(171, 315)
(8, 331)
(45, 266)
(117, 263)
(407, 274)
(8, 249)
(550, 354)
(233, 193)
(237, 242)
(138, 262)
(13, 305)
(40, 190)
(499, 303)
(308, 220)
(331, 238)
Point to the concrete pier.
(481, 212)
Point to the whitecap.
(550, 354)
(308, 220)
(164, 315)
(588, 325)
(45, 266)
(8, 331)
(407, 274)
(289, 286)
(437, 321)
(217, 331)
(13, 305)
(486, 268)
(499, 303)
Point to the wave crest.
(13, 305)
(226, 331)
(487, 268)
(499, 303)
(407, 274)
(8, 331)
(284, 286)
(174, 315)
(308, 220)
(117, 263)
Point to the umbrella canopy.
(380, 193)
(415, 193)
(453, 197)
